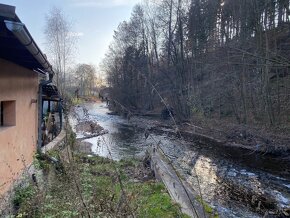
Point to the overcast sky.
(94, 22)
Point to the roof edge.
(7, 11)
(22, 34)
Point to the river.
(235, 183)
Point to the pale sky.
(94, 22)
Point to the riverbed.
(235, 183)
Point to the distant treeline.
(211, 58)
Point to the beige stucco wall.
(17, 143)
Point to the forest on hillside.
(218, 59)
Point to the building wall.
(17, 143)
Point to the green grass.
(22, 194)
(24, 197)
(99, 188)
(147, 199)
(154, 201)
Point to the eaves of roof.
(17, 44)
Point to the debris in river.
(88, 127)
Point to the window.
(7, 113)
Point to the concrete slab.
(179, 191)
(55, 142)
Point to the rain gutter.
(21, 33)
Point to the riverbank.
(243, 137)
(273, 140)
(262, 139)
(229, 178)
(87, 185)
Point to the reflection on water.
(234, 190)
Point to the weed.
(208, 209)
(102, 193)
(24, 199)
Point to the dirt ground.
(261, 139)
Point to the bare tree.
(60, 42)
(85, 79)
(212, 58)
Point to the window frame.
(1, 114)
(7, 114)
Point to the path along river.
(234, 182)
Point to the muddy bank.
(252, 140)
(263, 139)
(272, 162)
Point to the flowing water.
(234, 182)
